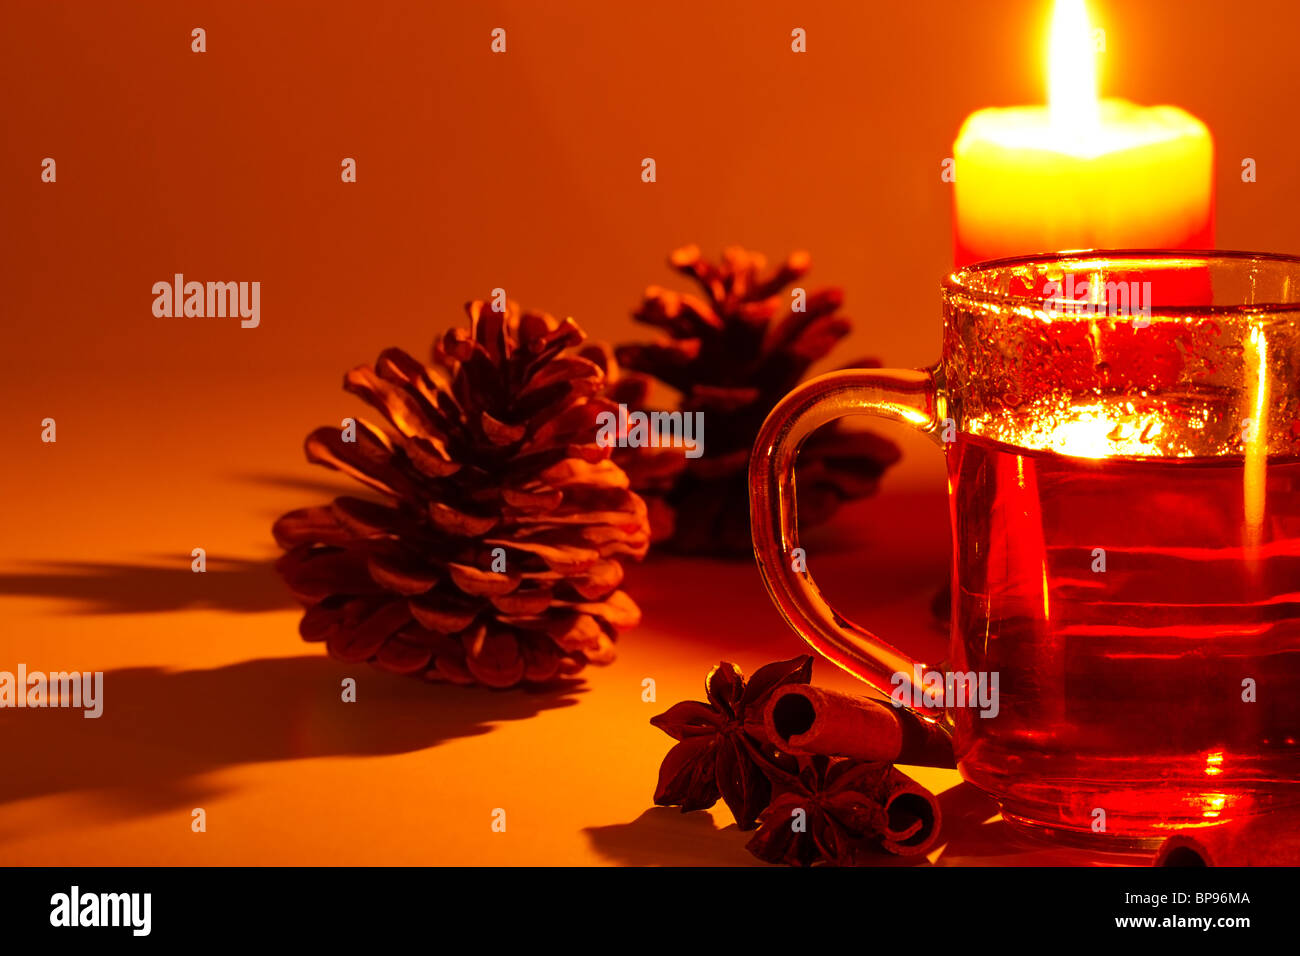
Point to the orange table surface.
(211, 699)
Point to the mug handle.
(910, 396)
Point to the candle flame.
(1072, 72)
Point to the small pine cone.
(727, 358)
(492, 551)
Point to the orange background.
(475, 171)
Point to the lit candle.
(1079, 173)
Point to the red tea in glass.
(1125, 501)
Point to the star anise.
(723, 750)
(829, 813)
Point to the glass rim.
(958, 282)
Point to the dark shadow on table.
(972, 838)
(162, 731)
(722, 608)
(230, 584)
(880, 562)
(168, 583)
(320, 482)
(664, 836)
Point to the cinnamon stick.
(805, 720)
(914, 816)
(1269, 839)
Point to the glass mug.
(1122, 435)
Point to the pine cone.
(728, 359)
(493, 554)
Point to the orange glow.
(1214, 803)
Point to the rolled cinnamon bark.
(1269, 839)
(803, 720)
(914, 816)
